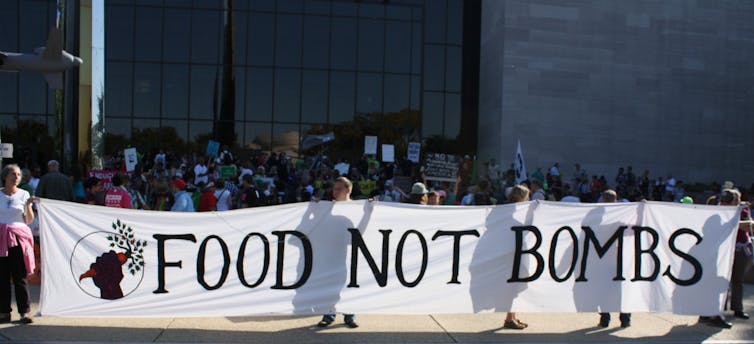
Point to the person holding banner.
(610, 196)
(16, 244)
(341, 192)
(743, 254)
(519, 193)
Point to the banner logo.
(116, 262)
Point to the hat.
(746, 216)
(388, 183)
(442, 193)
(419, 189)
(687, 200)
(727, 184)
(179, 183)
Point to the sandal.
(514, 325)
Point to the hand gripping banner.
(371, 257)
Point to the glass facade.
(285, 69)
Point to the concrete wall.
(666, 86)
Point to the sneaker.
(351, 324)
(25, 320)
(719, 322)
(324, 323)
(514, 325)
(742, 315)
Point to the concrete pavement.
(465, 328)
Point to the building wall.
(666, 86)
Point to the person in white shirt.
(200, 172)
(222, 195)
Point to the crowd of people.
(169, 182)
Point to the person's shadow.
(709, 293)
(330, 238)
(492, 261)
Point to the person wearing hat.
(183, 201)
(687, 200)
(418, 194)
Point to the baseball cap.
(419, 189)
(687, 200)
(179, 183)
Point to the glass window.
(452, 115)
(119, 32)
(205, 36)
(417, 13)
(118, 87)
(343, 53)
(416, 84)
(316, 41)
(287, 95)
(175, 82)
(146, 123)
(240, 37)
(294, 6)
(146, 89)
(175, 43)
(398, 47)
(148, 34)
(317, 7)
(263, 5)
(118, 126)
(261, 39)
(288, 44)
(455, 22)
(343, 8)
(9, 26)
(435, 21)
(434, 68)
(342, 86)
(199, 128)
(453, 69)
(33, 27)
(314, 96)
(416, 49)
(8, 121)
(371, 10)
(397, 92)
(369, 93)
(32, 90)
(202, 97)
(177, 3)
(259, 133)
(259, 94)
(399, 12)
(8, 92)
(180, 126)
(371, 44)
(432, 114)
(285, 137)
(213, 4)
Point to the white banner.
(362, 257)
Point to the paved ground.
(474, 328)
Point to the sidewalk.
(466, 328)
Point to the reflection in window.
(261, 39)
(240, 39)
(146, 123)
(434, 68)
(9, 26)
(371, 10)
(295, 6)
(432, 114)
(371, 44)
(175, 82)
(240, 100)
(205, 36)
(259, 94)
(118, 126)
(287, 95)
(178, 3)
(258, 134)
(263, 5)
(398, 47)
(288, 43)
(343, 53)
(176, 42)
(369, 93)
(8, 92)
(452, 115)
(285, 138)
(203, 79)
(399, 12)
(147, 34)
(181, 127)
(314, 96)
(34, 26)
(344, 8)
(118, 86)
(146, 89)
(316, 41)
(415, 92)
(396, 92)
(453, 69)
(199, 128)
(416, 49)
(341, 96)
(119, 32)
(32, 90)
(317, 7)
(455, 21)
(213, 4)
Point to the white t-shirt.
(12, 207)
(198, 170)
(223, 199)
